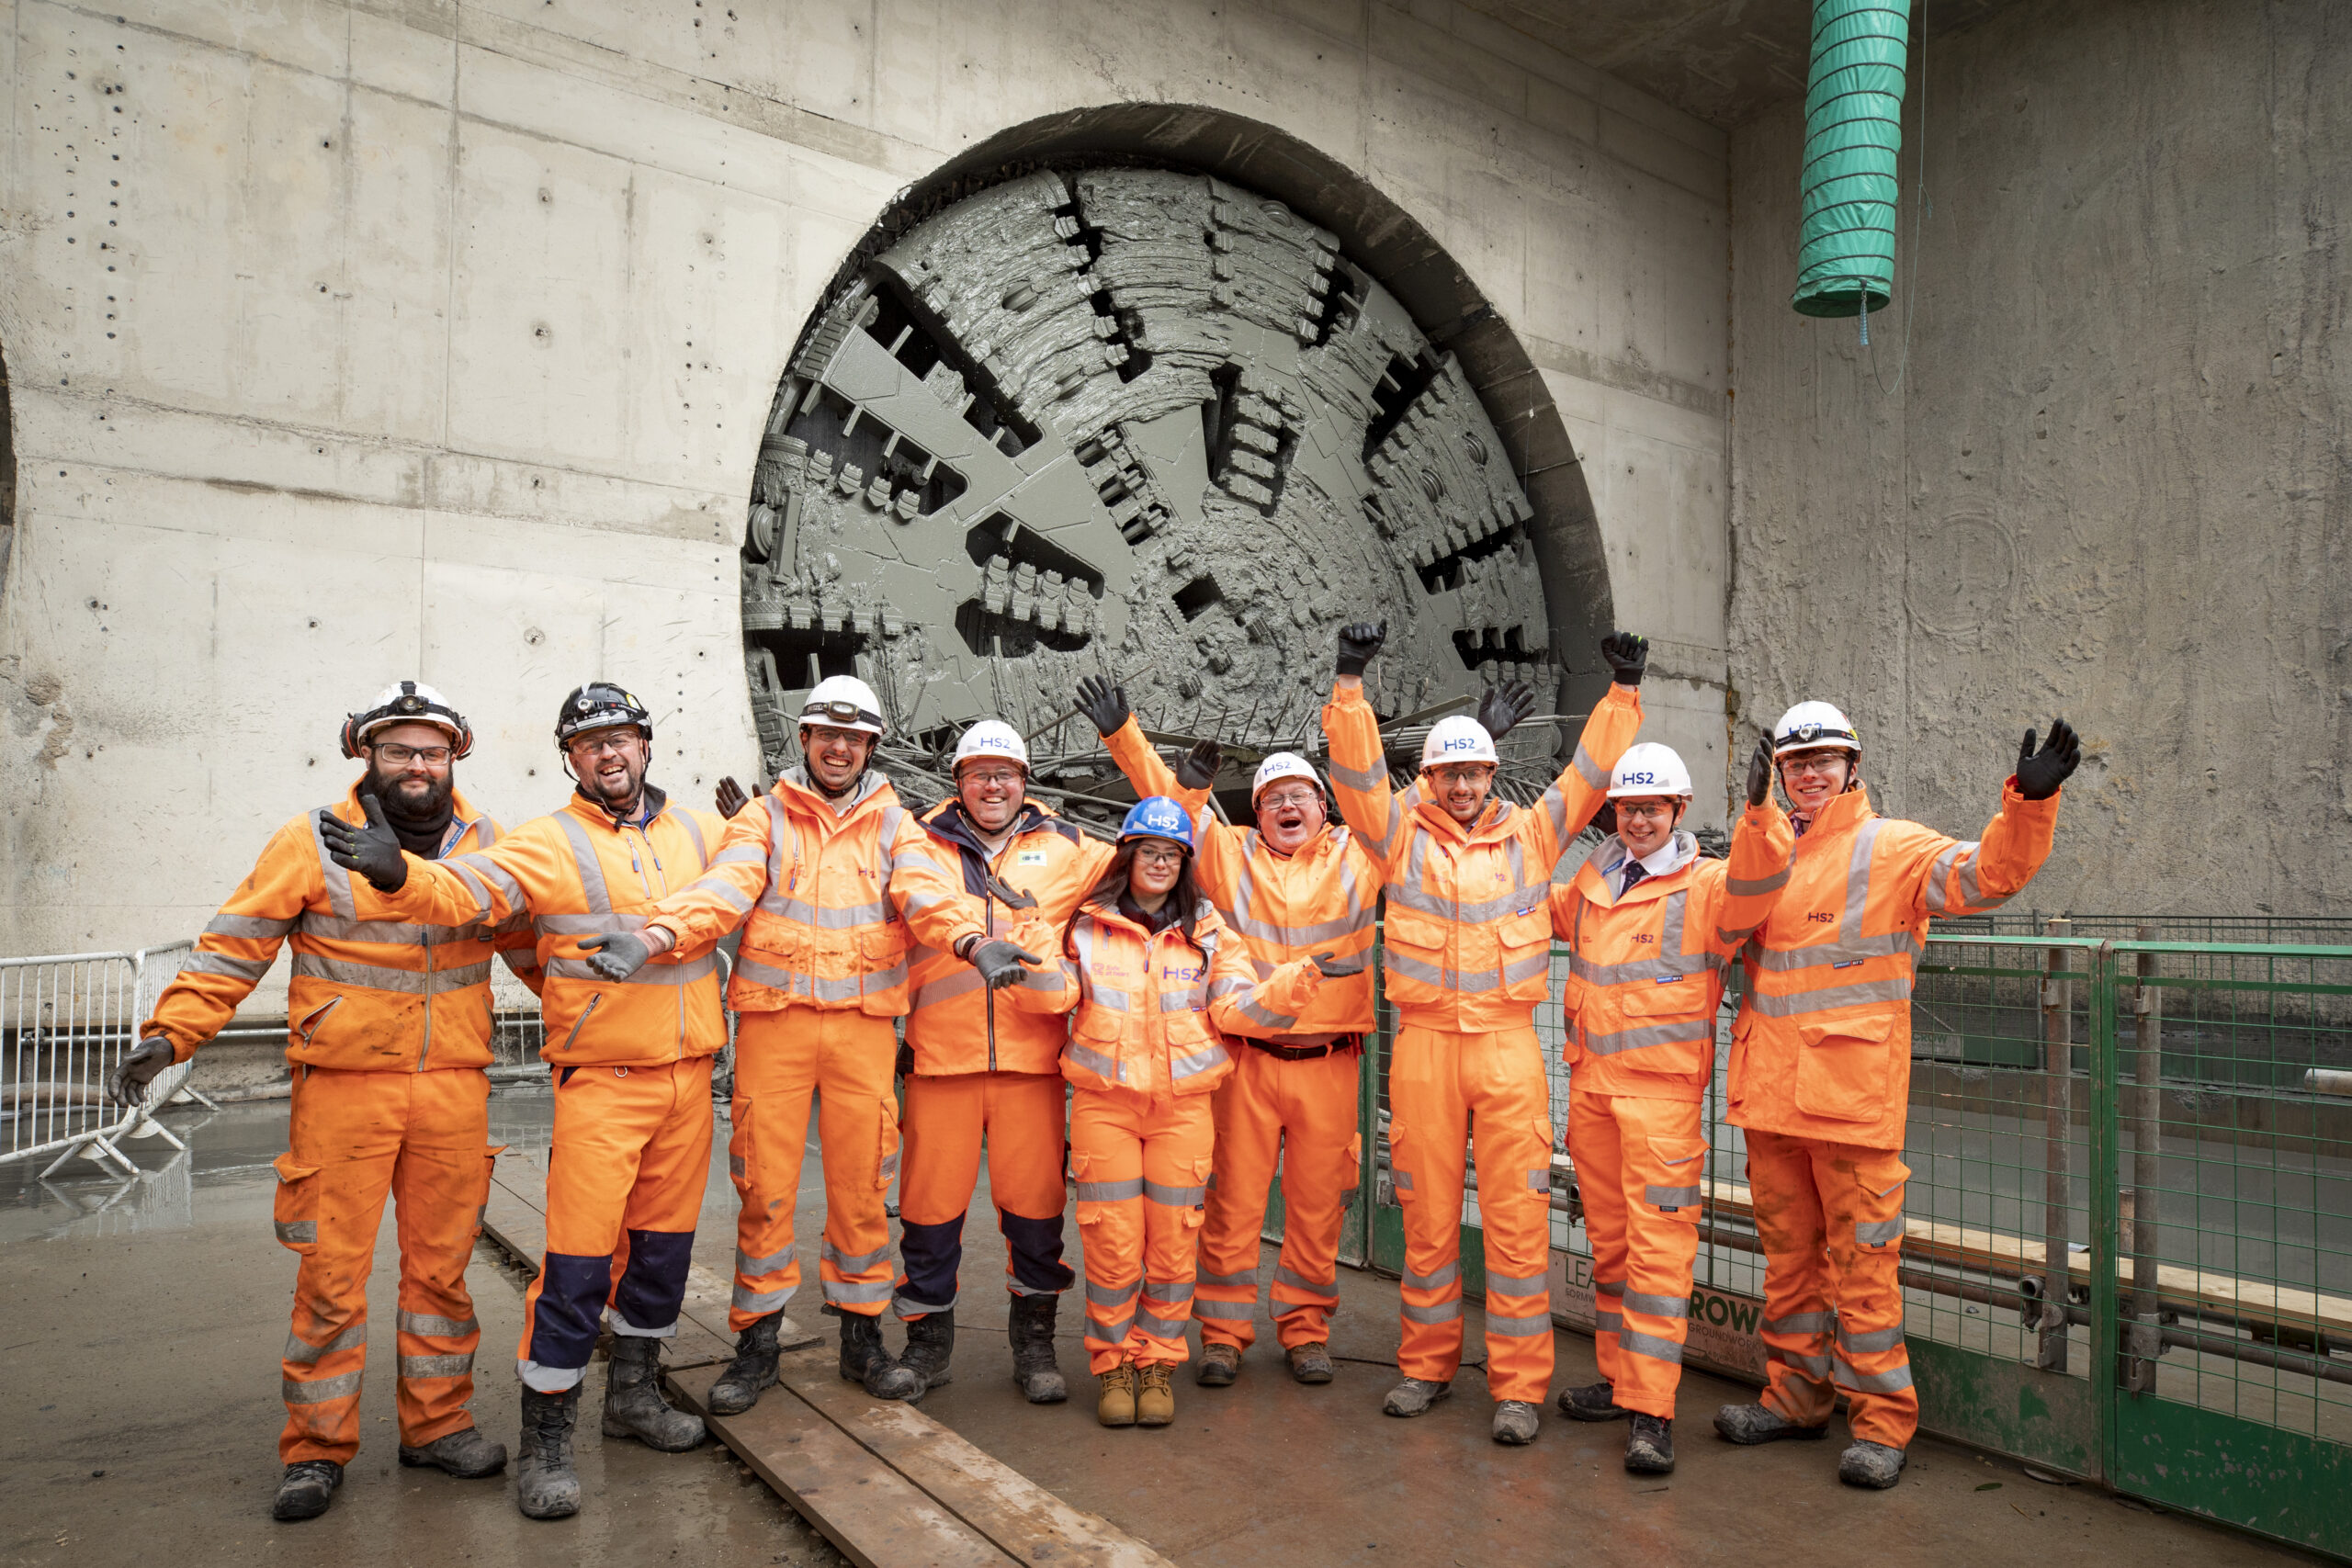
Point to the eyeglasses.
(1158, 855)
(400, 756)
(1461, 773)
(1645, 812)
(1274, 800)
(993, 778)
(590, 745)
(1813, 761)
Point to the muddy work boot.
(633, 1403)
(931, 1340)
(1515, 1422)
(1118, 1405)
(546, 1486)
(468, 1455)
(1310, 1363)
(751, 1371)
(1872, 1466)
(1155, 1395)
(306, 1489)
(1649, 1448)
(1593, 1402)
(1031, 1330)
(1749, 1424)
(1413, 1396)
(1220, 1364)
(865, 1360)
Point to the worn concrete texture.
(351, 340)
(2107, 478)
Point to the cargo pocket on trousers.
(1196, 1214)
(1878, 1206)
(1091, 1210)
(1353, 1177)
(1400, 1179)
(886, 1165)
(296, 1211)
(489, 1173)
(1680, 1166)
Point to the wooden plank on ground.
(877, 1517)
(1024, 1520)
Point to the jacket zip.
(581, 1023)
(318, 1017)
(426, 1049)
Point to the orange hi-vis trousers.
(353, 1138)
(1142, 1171)
(1639, 1166)
(627, 1170)
(1020, 1118)
(844, 1059)
(1305, 1114)
(1445, 1090)
(1831, 1220)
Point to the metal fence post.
(2106, 1199)
(2145, 1343)
(2057, 1118)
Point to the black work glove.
(1196, 768)
(1759, 773)
(905, 1065)
(616, 955)
(731, 798)
(1337, 968)
(2040, 773)
(1628, 656)
(127, 1083)
(1505, 705)
(374, 851)
(1000, 964)
(1103, 703)
(1358, 643)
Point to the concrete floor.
(144, 1321)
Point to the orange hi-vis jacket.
(831, 894)
(1153, 1008)
(1324, 898)
(956, 1025)
(1822, 1045)
(1645, 971)
(578, 873)
(1469, 920)
(370, 992)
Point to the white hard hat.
(1458, 738)
(1282, 765)
(991, 738)
(408, 702)
(843, 702)
(1649, 769)
(1810, 724)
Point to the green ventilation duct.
(1853, 128)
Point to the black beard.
(420, 822)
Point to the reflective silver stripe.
(1592, 773)
(906, 1306)
(1519, 1286)
(1199, 1061)
(1801, 1002)
(1539, 1181)
(490, 871)
(1094, 1061)
(1167, 1327)
(438, 1327)
(960, 981)
(412, 1368)
(693, 831)
(1230, 1281)
(588, 925)
(1232, 984)
(302, 1353)
(1877, 1232)
(1111, 1331)
(1048, 979)
(1110, 1191)
(1693, 1032)
(1781, 960)
(668, 975)
(1870, 1341)
(1225, 1312)
(735, 1165)
(1439, 975)
(1518, 1328)
(1818, 1366)
(334, 928)
(741, 854)
(294, 1233)
(1298, 1281)
(318, 1390)
(377, 978)
(727, 893)
(1891, 1380)
(1444, 1312)
(747, 1264)
(1609, 1323)
(1609, 1287)
(1744, 887)
(1365, 780)
(849, 917)
(842, 1293)
(1657, 1306)
(1972, 897)
(1110, 1295)
(1448, 1274)
(1649, 1344)
(1266, 1017)
(1670, 968)
(889, 1166)
(583, 858)
(1478, 914)
(856, 1265)
(1169, 1291)
(1671, 1197)
(1175, 1197)
(1534, 967)
(249, 928)
(1401, 1179)
(1802, 1323)
(205, 962)
(761, 1301)
(338, 880)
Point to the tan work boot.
(1311, 1362)
(1156, 1396)
(1117, 1406)
(1220, 1364)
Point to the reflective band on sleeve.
(1592, 773)
(761, 1301)
(1525, 1287)
(665, 974)
(304, 1354)
(588, 925)
(1362, 779)
(1448, 1274)
(1743, 888)
(1670, 1197)
(747, 1264)
(1892, 1381)
(1519, 1327)
(1657, 1306)
(318, 1390)
(437, 1327)
(414, 1368)
(250, 970)
(249, 928)
(1878, 1233)
(297, 1233)
(1649, 1344)
(1444, 1312)
(1802, 1323)
(496, 876)
(1870, 1342)
(1175, 1197)
(1110, 1191)
(741, 854)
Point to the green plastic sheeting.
(1853, 128)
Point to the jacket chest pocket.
(1685, 998)
(1842, 1069)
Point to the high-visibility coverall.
(1301, 1109)
(631, 1061)
(986, 1071)
(836, 894)
(1468, 941)
(1146, 1053)
(1821, 1080)
(1645, 976)
(388, 1028)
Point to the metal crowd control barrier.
(65, 1022)
(2128, 1224)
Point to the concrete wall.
(355, 341)
(2111, 481)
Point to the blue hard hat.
(1156, 817)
